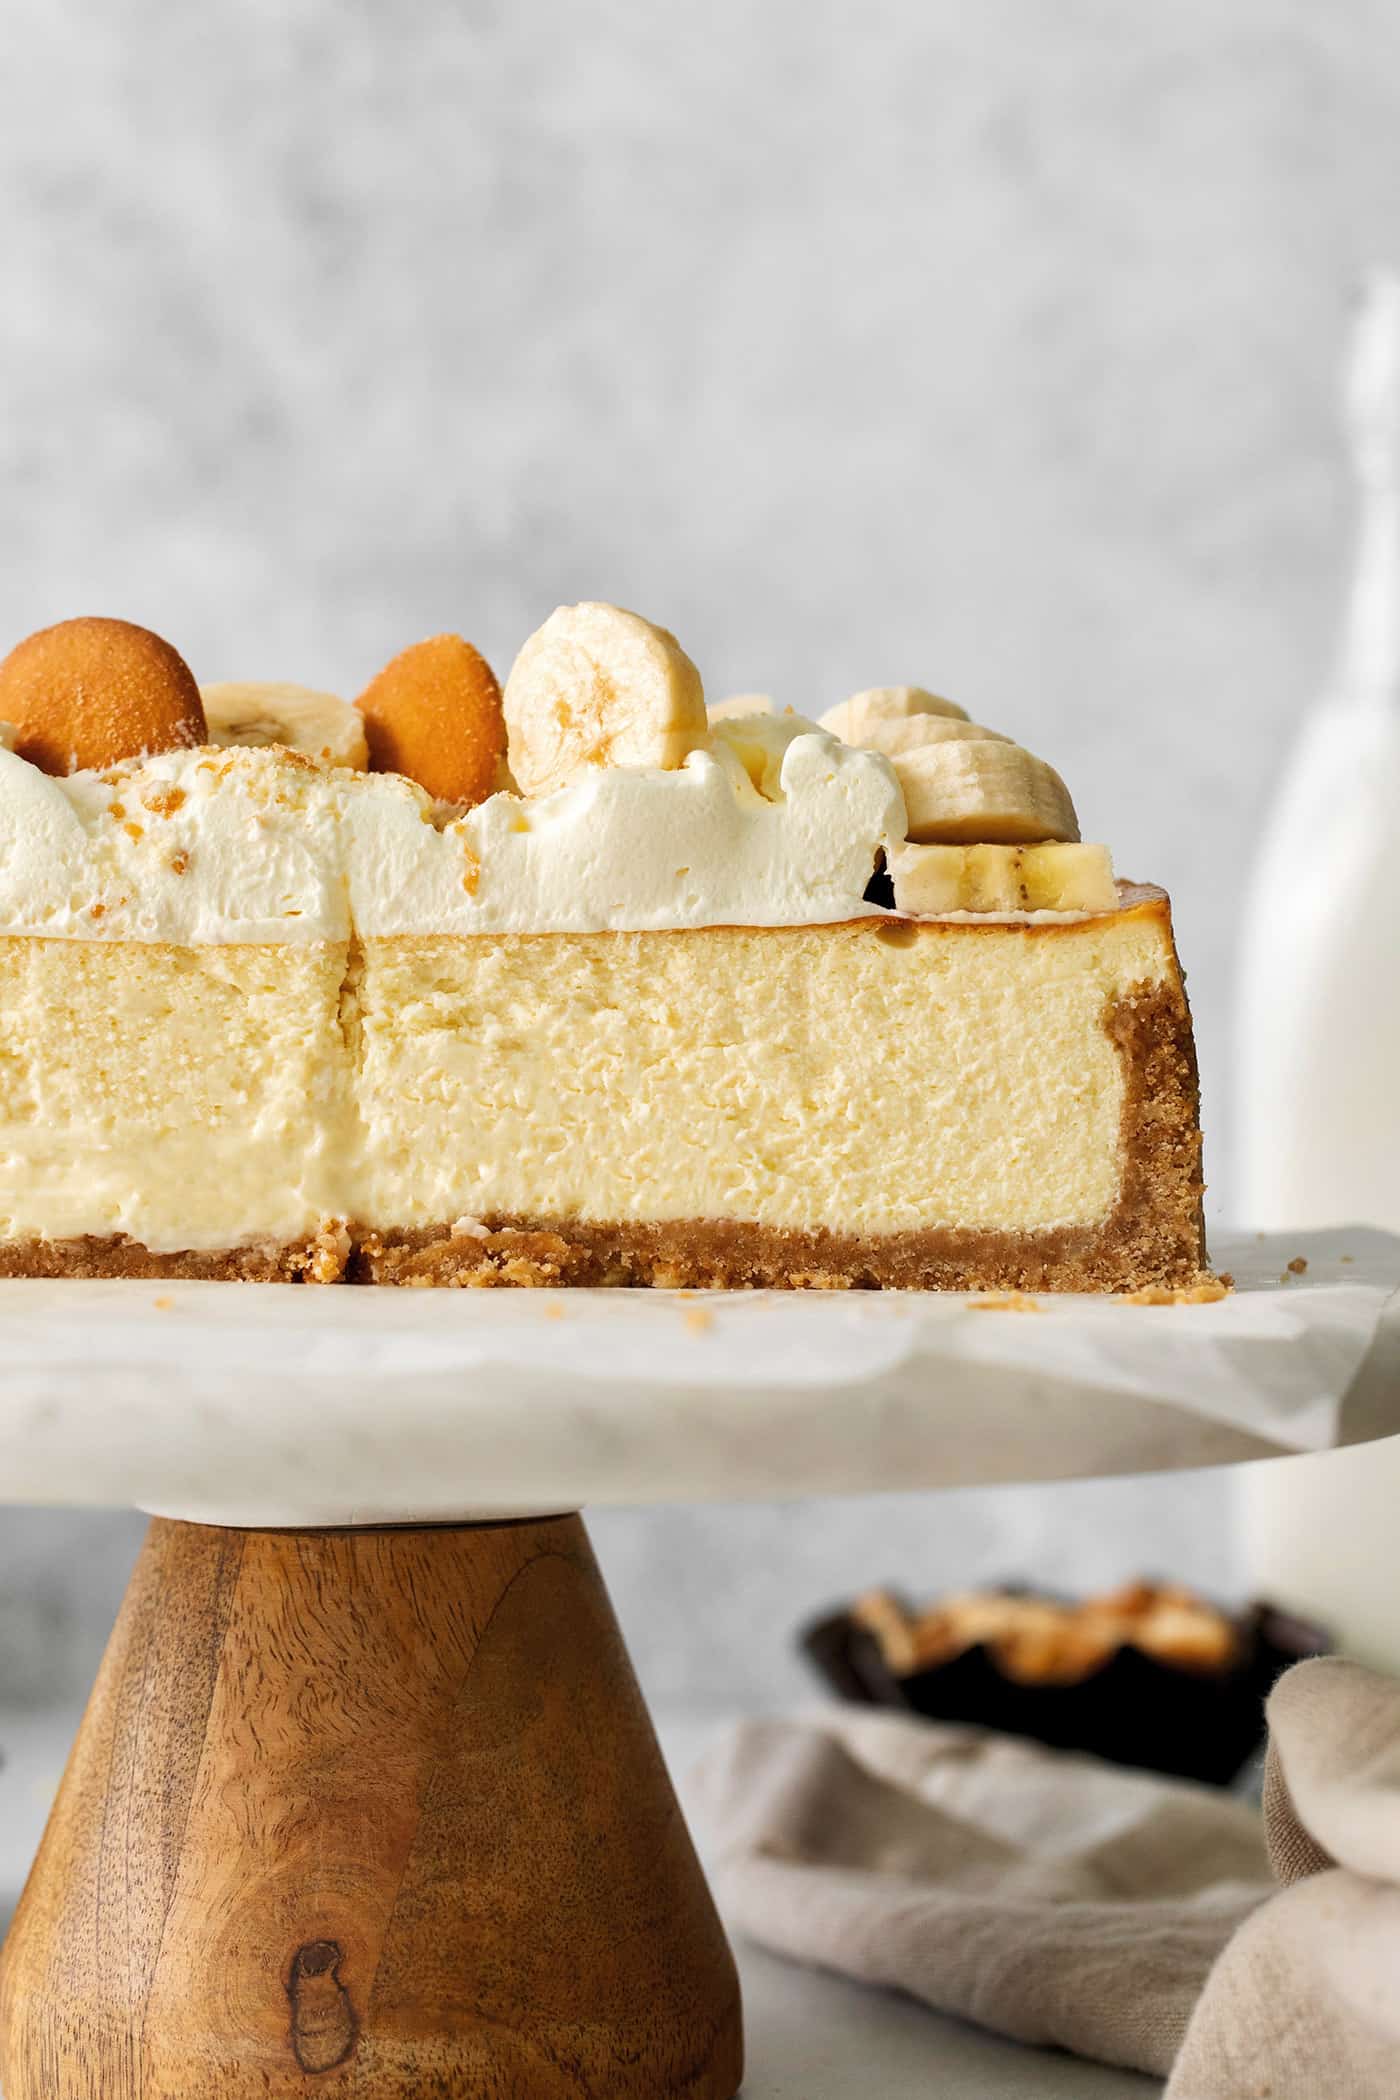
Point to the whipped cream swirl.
(774, 824)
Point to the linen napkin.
(1067, 1902)
(1305, 2000)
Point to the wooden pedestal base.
(372, 1814)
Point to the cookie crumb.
(329, 1252)
(1005, 1301)
(1298, 1264)
(162, 1304)
(1209, 1291)
(698, 1319)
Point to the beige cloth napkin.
(1067, 1902)
(1304, 2003)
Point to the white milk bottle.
(1317, 1093)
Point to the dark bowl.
(1134, 1710)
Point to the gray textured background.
(987, 347)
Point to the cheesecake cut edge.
(1152, 1236)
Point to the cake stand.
(366, 1800)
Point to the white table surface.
(810, 2036)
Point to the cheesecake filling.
(895, 1077)
(178, 1097)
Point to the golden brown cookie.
(90, 693)
(434, 713)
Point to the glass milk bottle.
(1317, 1091)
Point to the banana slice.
(982, 791)
(738, 705)
(318, 725)
(597, 686)
(932, 879)
(894, 737)
(853, 720)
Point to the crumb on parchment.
(1005, 1301)
(162, 1304)
(1298, 1264)
(698, 1319)
(1209, 1291)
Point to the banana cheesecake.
(576, 983)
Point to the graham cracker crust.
(323, 1258)
(1155, 1235)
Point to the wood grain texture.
(370, 1814)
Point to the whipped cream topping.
(238, 845)
(191, 846)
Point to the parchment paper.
(271, 1405)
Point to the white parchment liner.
(274, 1405)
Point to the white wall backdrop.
(990, 347)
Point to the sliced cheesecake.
(708, 1007)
